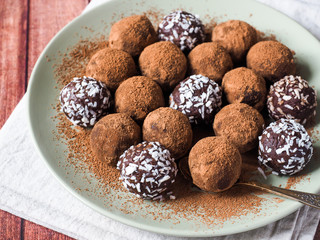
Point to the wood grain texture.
(33, 231)
(10, 226)
(47, 17)
(13, 35)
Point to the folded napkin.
(28, 190)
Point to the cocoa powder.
(191, 204)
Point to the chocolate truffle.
(292, 98)
(148, 171)
(215, 164)
(137, 96)
(197, 97)
(84, 100)
(183, 29)
(239, 123)
(236, 37)
(242, 85)
(285, 147)
(170, 128)
(132, 34)
(111, 66)
(210, 60)
(271, 59)
(112, 135)
(165, 63)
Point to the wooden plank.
(10, 226)
(13, 32)
(33, 231)
(46, 18)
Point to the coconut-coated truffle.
(285, 147)
(132, 34)
(112, 135)
(85, 100)
(210, 60)
(111, 66)
(242, 85)
(170, 128)
(292, 98)
(239, 123)
(148, 171)
(137, 96)
(183, 29)
(215, 164)
(198, 97)
(165, 63)
(271, 59)
(236, 37)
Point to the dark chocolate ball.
(198, 97)
(292, 98)
(285, 147)
(85, 100)
(183, 29)
(148, 171)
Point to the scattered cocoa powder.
(191, 204)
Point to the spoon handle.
(310, 199)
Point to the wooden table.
(26, 28)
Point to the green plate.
(42, 94)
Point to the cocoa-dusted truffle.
(84, 100)
(285, 147)
(292, 98)
(165, 63)
(132, 34)
(137, 96)
(215, 164)
(271, 59)
(111, 66)
(148, 171)
(236, 37)
(170, 128)
(112, 135)
(242, 85)
(239, 123)
(183, 29)
(210, 60)
(198, 97)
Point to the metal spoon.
(310, 199)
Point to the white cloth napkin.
(28, 190)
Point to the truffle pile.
(181, 80)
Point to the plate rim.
(77, 195)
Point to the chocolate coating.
(170, 128)
(132, 34)
(215, 164)
(112, 135)
(242, 85)
(111, 66)
(285, 147)
(148, 171)
(197, 97)
(292, 98)
(239, 123)
(210, 60)
(236, 37)
(183, 29)
(137, 96)
(84, 100)
(165, 63)
(271, 59)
